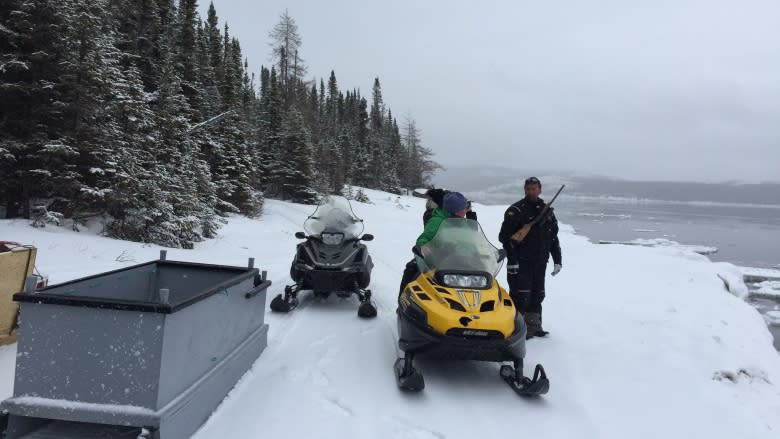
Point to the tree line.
(144, 114)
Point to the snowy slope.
(645, 343)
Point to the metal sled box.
(154, 346)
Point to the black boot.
(533, 321)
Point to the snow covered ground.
(645, 342)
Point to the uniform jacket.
(541, 241)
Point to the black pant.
(526, 286)
(410, 273)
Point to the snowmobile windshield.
(333, 221)
(460, 245)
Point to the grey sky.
(669, 90)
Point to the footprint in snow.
(335, 406)
(408, 430)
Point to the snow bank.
(645, 342)
(732, 278)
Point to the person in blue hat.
(435, 198)
(454, 205)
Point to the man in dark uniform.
(527, 259)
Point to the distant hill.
(494, 184)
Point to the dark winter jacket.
(432, 226)
(541, 241)
(437, 196)
(427, 216)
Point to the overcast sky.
(662, 89)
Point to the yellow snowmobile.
(456, 310)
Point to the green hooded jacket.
(432, 226)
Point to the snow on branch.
(58, 147)
(214, 119)
(7, 31)
(10, 65)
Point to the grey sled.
(147, 351)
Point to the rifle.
(520, 235)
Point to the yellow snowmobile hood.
(460, 311)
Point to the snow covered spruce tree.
(382, 144)
(329, 151)
(296, 164)
(416, 160)
(94, 80)
(32, 110)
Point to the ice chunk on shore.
(662, 242)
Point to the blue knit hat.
(454, 202)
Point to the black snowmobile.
(456, 310)
(332, 258)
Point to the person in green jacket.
(454, 205)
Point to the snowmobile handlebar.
(364, 237)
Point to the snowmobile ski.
(285, 303)
(367, 309)
(406, 376)
(522, 385)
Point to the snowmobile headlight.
(465, 280)
(332, 238)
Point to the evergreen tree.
(296, 164)
(177, 209)
(272, 119)
(187, 56)
(377, 139)
(285, 47)
(418, 164)
(360, 173)
(234, 166)
(214, 38)
(94, 76)
(32, 110)
(312, 114)
(211, 100)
